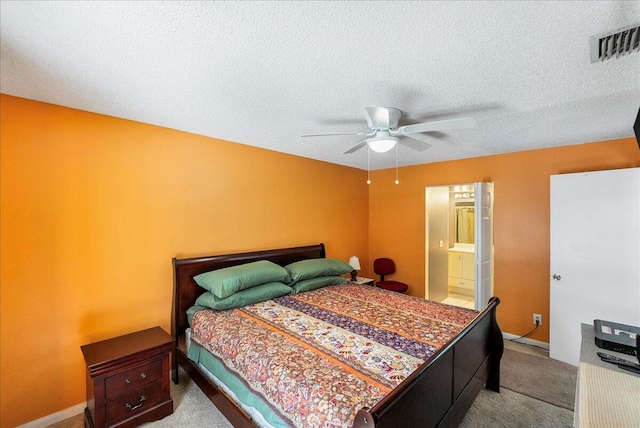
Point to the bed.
(437, 393)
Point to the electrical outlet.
(537, 319)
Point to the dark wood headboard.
(186, 291)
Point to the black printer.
(617, 337)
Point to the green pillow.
(319, 282)
(224, 282)
(259, 293)
(313, 268)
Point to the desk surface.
(605, 395)
(589, 350)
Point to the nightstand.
(128, 379)
(363, 281)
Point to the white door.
(595, 255)
(483, 244)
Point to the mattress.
(315, 358)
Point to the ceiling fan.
(385, 133)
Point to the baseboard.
(543, 345)
(54, 418)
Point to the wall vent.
(615, 44)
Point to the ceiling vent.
(616, 44)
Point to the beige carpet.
(538, 377)
(507, 409)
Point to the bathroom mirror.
(464, 222)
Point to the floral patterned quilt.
(318, 357)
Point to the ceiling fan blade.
(331, 135)
(414, 144)
(358, 146)
(382, 117)
(441, 125)
(370, 113)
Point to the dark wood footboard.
(439, 393)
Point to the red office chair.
(384, 267)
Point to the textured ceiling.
(264, 73)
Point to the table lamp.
(354, 262)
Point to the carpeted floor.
(536, 392)
(524, 399)
(541, 378)
(509, 409)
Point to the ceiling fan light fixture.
(382, 144)
(385, 133)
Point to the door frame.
(483, 238)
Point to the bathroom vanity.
(462, 266)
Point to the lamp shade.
(354, 262)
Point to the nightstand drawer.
(128, 379)
(133, 379)
(136, 402)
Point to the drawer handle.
(142, 376)
(130, 407)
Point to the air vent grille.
(616, 44)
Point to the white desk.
(606, 396)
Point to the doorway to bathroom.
(459, 244)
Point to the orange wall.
(93, 210)
(521, 219)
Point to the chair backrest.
(383, 266)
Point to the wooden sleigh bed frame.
(438, 393)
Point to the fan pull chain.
(368, 164)
(397, 181)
